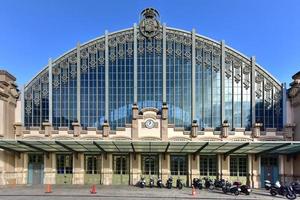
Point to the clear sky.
(32, 31)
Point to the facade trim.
(23, 105)
(106, 75)
(222, 81)
(193, 72)
(164, 65)
(50, 91)
(78, 81)
(284, 104)
(135, 63)
(253, 66)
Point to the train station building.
(150, 100)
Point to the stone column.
(134, 126)
(107, 170)
(19, 170)
(77, 129)
(225, 129)
(135, 169)
(255, 179)
(164, 122)
(48, 129)
(256, 130)
(49, 169)
(225, 167)
(195, 169)
(165, 167)
(78, 173)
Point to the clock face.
(149, 123)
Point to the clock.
(149, 123)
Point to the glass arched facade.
(101, 80)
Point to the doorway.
(35, 169)
(120, 169)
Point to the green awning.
(142, 146)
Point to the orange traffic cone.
(48, 188)
(193, 191)
(93, 190)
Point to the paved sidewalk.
(74, 192)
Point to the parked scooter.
(159, 183)
(278, 189)
(233, 189)
(268, 185)
(219, 183)
(208, 183)
(197, 183)
(169, 182)
(244, 188)
(142, 182)
(151, 182)
(296, 187)
(179, 184)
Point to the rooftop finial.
(149, 24)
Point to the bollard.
(93, 190)
(48, 189)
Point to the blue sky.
(32, 31)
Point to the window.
(208, 165)
(150, 164)
(92, 164)
(178, 165)
(238, 166)
(64, 164)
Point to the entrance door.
(179, 169)
(64, 168)
(120, 170)
(92, 169)
(269, 169)
(150, 167)
(35, 169)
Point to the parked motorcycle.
(159, 183)
(142, 182)
(278, 189)
(169, 182)
(244, 188)
(296, 187)
(219, 183)
(179, 184)
(233, 189)
(208, 183)
(197, 183)
(151, 182)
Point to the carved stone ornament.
(149, 25)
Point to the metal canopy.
(140, 146)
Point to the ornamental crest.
(149, 25)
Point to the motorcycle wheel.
(291, 196)
(236, 193)
(247, 193)
(211, 187)
(224, 191)
(273, 192)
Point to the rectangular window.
(64, 163)
(208, 165)
(238, 166)
(178, 165)
(92, 164)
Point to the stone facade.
(14, 167)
